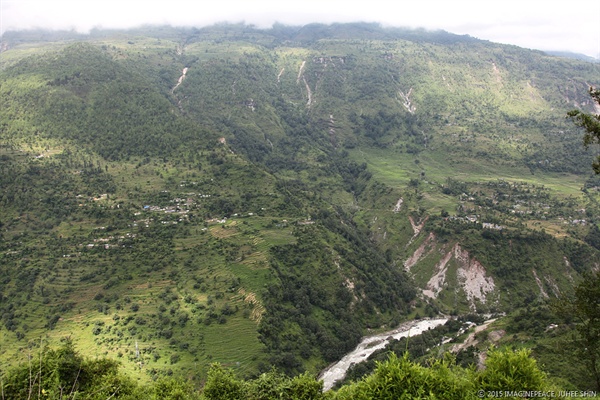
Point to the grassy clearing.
(396, 169)
(237, 346)
(252, 279)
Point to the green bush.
(511, 370)
(222, 384)
(64, 374)
(400, 378)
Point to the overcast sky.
(571, 25)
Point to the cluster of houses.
(178, 207)
(326, 59)
(107, 242)
(475, 219)
(520, 199)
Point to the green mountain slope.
(172, 197)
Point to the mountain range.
(172, 197)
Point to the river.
(370, 344)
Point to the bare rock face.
(471, 275)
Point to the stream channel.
(370, 344)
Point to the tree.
(591, 124)
(63, 373)
(222, 384)
(511, 370)
(583, 308)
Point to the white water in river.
(370, 344)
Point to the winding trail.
(370, 344)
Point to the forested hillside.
(175, 197)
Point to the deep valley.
(172, 198)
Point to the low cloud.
(550, 25)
